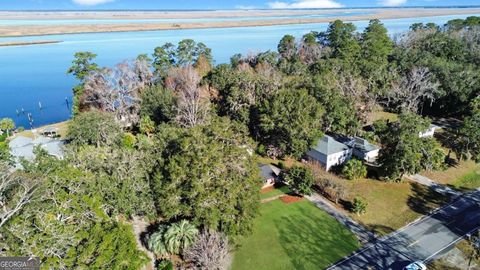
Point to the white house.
(364, 150)
(330, 152)
(269, 174)
(429, 132)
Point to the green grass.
(469, 181)
(390, 205)
(277, 191)
(463, 176)
(293, 236)
(382, 115)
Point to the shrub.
(359, 206)
(332, 189)
(354, 169)
(281, 165)
(173, 239)
(147, 125)
(261, 150)
(165, 265)
(210, 251)
(300, 180)
(129, 140)
(4, 152)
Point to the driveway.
(439, 188)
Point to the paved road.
(421, 240)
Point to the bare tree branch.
(118, 90)
(211, 251)
(15, 193)
(193, 100)
(411, 91)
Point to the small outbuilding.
(330, 152)
(270, 174)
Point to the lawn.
(463, 176)
(293, 236)
(469, 181)
(390, 205)
(380, 114)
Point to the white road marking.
(413, 243)
(450, 244)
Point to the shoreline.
(28, 43)
(45, 30)
(122, 15)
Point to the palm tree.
(180, 236)
(7, 124)
(156, 242)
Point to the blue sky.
(217, 4)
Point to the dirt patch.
(290, 199)
(267, 189)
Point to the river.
(33, 79)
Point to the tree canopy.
(290, 121)
(206, 174)
(404, 151)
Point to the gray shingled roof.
(22, 147)
(54, 148)
(25, 151)
(328, 145)
(364, 146)
(41, 140)
(20, 141)
(268, 171)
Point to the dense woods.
(170, 137)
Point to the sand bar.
(36, 30)
(26, 43)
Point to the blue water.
(12, 22)
(33, 74)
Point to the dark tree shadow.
(399, 265)
(380, 229)
(461, 189)
(424, 199)
(347, 205)
(152, 228)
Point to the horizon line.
(229, 9)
